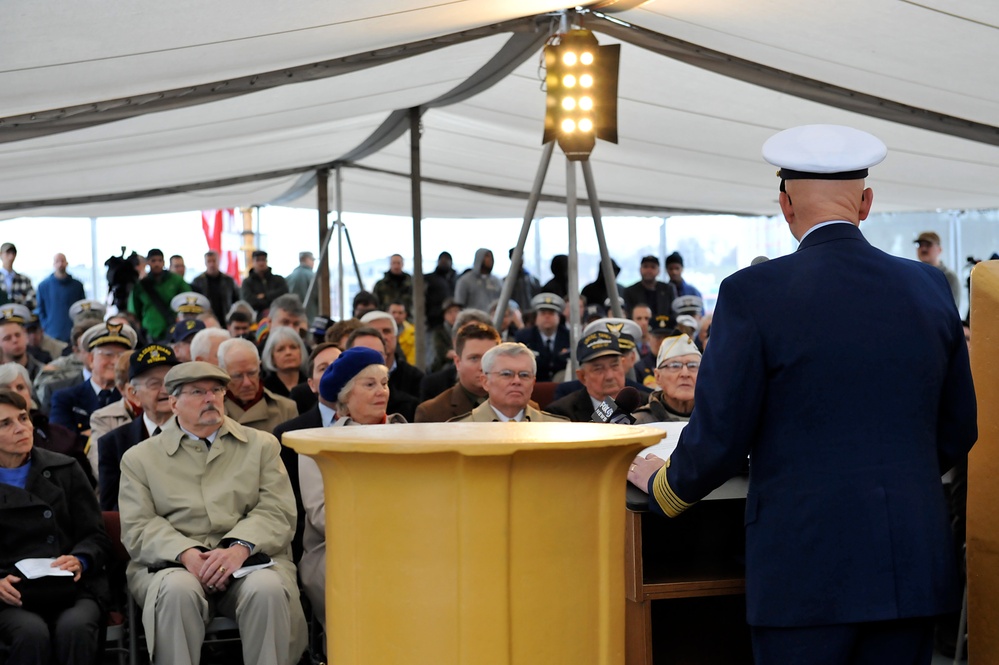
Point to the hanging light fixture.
(581, 78)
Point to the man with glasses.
(247, 401)
(676, 375)
(198, 502)
(508, 373)
(601, 371)
(104, 343)
(147, 368)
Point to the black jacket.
(260, 290)
(110, 449)
(56, 513)
(309, 419)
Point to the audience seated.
(676, 376)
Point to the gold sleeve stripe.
(86, 447)
(667, 499)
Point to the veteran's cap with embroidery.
(823, 152)
(676, 345)
(190, 302)
(661, 326)
(184, 330)
(597, 345)
(108, 333)
(547, 301)
(190, 372)
(15, 313)
(148, 357)
(616, 327)
(81, 307)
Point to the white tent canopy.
(113, 108)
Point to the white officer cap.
(108, 333)
(15, 313)
(823, 152)
(678, 345)
(548, 301)
(86, 306)
(614, 326)
(190, 302)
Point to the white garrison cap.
(190, 302)
(823, 152)
(680, 345)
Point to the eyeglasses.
(199, 393)
(508, 374)
(245, 375)
(677, 366)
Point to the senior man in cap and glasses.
(849, 555)
(198, 502)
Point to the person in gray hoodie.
(478, 288)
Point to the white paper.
(246, 570)
(671, 437)
(32, 569)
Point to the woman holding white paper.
(47, 511)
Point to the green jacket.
(140, 303)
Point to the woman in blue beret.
(355, 386)
(47, 511)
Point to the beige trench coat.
(176, 496)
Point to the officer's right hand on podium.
(643, 468)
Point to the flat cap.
(108, 333)
(190, 302)
(148, 357)
(81, 307)
(8, 247)
(547, 301)
(190, 372)
(15, 313)
(597, 345)
(823, 152)
(928, 236)
(676, 345)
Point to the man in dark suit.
(104, 344)
(471, 343)
(848, 548)
(548, 337)
(601, 371)
(321, 415)
(146, 368)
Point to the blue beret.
(346, 367)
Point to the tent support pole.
(322, 273)
(605, 261)
(339, 242)
(575, 329)
(419, 296)
(517, 260)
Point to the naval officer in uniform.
(848, 548)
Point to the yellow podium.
(475, 543)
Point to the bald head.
(810, 202)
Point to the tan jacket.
(102, 421)
(266, 414)
(176, 494)
(484, 413)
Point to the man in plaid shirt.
(17, 286)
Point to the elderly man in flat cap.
(849, 555)
(198, 502)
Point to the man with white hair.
(509, 371)
(205, 345)
(247, 401)
(403, 377)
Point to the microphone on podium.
(618, 411)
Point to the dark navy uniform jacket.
(844, 373)
(549, 363)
